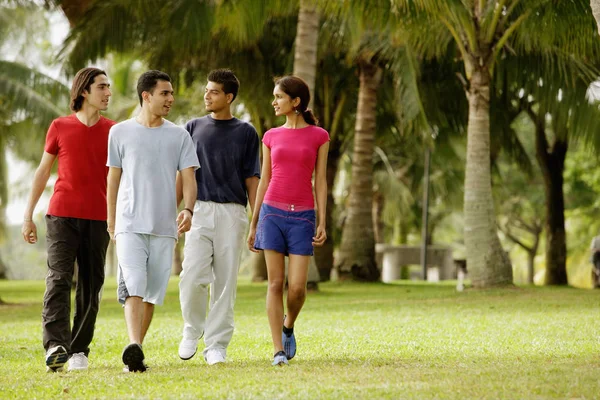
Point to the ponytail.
(309, 117)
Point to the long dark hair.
(296, 87)
(83, 81)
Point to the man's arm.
(178, 188)
(251, 187)
(40, 179)
(112, 190)
(189, 188)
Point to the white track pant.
(212, 251)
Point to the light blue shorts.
(144, 266)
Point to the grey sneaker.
(56, 357)
(78, 362)
(280, 359)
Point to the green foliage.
(412, 341)
(29, 99)
(25, 261)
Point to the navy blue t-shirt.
(228, 153)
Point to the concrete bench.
(391, 259)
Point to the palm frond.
(31, 92)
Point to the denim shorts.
(285, 231)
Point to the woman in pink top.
(286, 223)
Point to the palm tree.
(485, 32)
(307, 38)
(30, 101)
(305, 67)
(374, 48)
(357, 249)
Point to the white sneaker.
(214, 356)
(187, 348)
(78, 362)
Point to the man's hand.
(29, 232)
(320, 237)
(184, 221)
(111, 233)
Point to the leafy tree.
(29, 99)
(485, 32)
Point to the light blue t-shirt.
(149, 159)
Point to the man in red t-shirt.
(75, 221)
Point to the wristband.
(27, 219)
(191, 212)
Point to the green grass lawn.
(355, 341)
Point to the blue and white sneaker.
(56, 357)
(280, 359)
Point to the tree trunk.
(307, 37)
(305, 67)
(357, 250)
(533, 253)
(531, 266)
(535, 229)
(552, 163)
(324, 254)
(595, 4)
(487, 262)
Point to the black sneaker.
(56, 357)
(133, 357)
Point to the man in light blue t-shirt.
(144, 155)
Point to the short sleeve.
(190, 127)
(267, 139)
(251, 159)
(51, 145)
(188, 157)
(114, 152)
(323, 137)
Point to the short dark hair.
(82, 82)
(227, 78)
(148, 80)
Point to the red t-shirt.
(293, 158)
(80, 190)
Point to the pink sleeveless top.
(293, 158)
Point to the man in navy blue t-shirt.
(227, 149)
